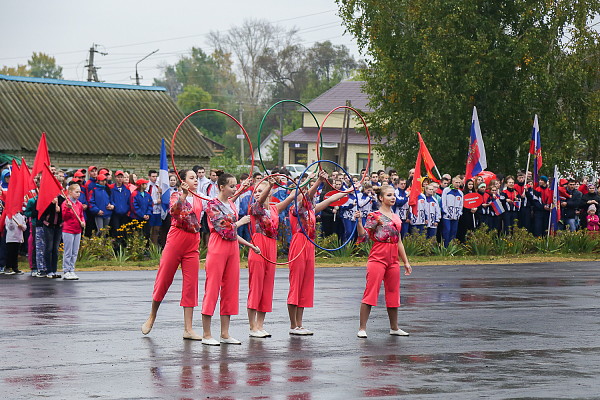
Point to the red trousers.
(302, 272)
(383, 264)
(262, 274)
(181, 248)
(222, 274)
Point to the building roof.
(330, 135)
(92, 118)
(337, 96)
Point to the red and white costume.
(302, 269)
(223, 259)
(261, 272)
(181, 247)
(384, 261)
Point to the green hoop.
(260, 130)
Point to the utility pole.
(241, 135)
(343, 139)
(345, 164)
(93, 70)
(280, 158)
(137, 77)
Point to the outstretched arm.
(325, 203)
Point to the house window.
(361, 162)
(301, 157)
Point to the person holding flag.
(542, 204)
(476, 161)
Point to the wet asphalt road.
(495, 331)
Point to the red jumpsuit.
(261, 272)
(302, 269)
(223, 259)
(181, 248)
(384, 262)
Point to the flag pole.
(438, 172)
(527, 171)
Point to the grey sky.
(128, 30)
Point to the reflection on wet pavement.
(528, 331)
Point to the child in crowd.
(15, 227)
(434, 213)
(452, 207)
(592, 220)
(73, 225)
(100, 203)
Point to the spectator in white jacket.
(452, 207)
(434, 213)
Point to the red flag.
(12, 203)
(50, 187)
(415, 190)
(28, 183)
(429, 164)
(41, 157)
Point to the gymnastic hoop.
(368, 138)
(241, 189)
(296, 205)
(250, 224)
(260, 130)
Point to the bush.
(454, 249)
(480, 242)
(578, 242)
(417, 245)
(96, 248)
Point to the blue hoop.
(296, 205)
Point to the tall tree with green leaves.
(431, 61)
(44, 66)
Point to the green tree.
(210, 123)
(44, 66)
(431, 61)
(20, 70)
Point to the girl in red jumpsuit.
(302, 269)
(264, 221)
(383, 228)
(223, 259)
(181, 248)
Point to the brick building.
(101, 124)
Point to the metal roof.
(337, 96)
(330, 135)
(92, 118)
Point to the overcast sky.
(128, 30)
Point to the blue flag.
(163, 181)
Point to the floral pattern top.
(262, 222)
(183, 215)
(305, 216)
(380, 228)
(222, 219)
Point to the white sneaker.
(300, 331)
(362, 334)
(230, 340)
(73, 276)
(210, 342)
(257, 334)
(267, 334)
(70, 276)
(66, 276)
(306, 331)
(399, 332)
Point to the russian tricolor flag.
(476, 161)
(163, 181)
(535, 148)
(497, 206)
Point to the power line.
(176, 38)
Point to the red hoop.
(349, 190)
(241, 189)
(250, 224)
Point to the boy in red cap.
(87, 188)
(100, 204)
(119, 197)
(141, 205)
